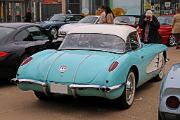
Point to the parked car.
(169, 106)
(91, 19)
(165, 26)
(57, 20)
(165, 30)
(106, 61)
(18, 41)
(131, 20)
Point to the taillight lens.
(113, 66)
(26, 61)
(3, 54)
(173, 102)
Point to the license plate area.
(58, 88)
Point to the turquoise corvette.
(95, 60)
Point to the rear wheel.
(54, 32)
(171, 41)
(127, 98)
(41, 95)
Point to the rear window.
(93, 41)
(4, 31)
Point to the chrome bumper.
(71, 86)
(18, 81)
(103, 88)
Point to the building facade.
(50, 7)
(15, 10)
(80, 6)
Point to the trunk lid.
(79, 66)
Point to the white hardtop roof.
(118, 30)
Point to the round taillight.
(173, 102)
(27, 60)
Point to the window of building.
(74, 6)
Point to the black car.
(18, 41)
(57, 20)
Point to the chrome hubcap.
(172, 40)
(54, 32)
(130, 88)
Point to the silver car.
(169, 108)
(90, 19)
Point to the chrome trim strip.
(18, 81)
(105, 88)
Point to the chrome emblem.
(63, 69)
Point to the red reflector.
(113, 66)
(173, 102)
(3, 54)
(27, 60)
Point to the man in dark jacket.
(28, 16)
(150, 25)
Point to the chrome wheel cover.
(54, 32)
(172, 40)
(130, 88)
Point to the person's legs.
(177, 38)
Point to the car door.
(33, 40)
(141, 55)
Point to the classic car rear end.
(106, 61)
(169, 108)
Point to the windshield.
(93, 41)
(89, 19)
(4, 31)
(130, 20)
(58, 17)
(165, 20)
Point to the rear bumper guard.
(71, 86)
(103, 88)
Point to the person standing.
(149, 25)
(103, 19)
(109, 15)
(176, 27)
(28, 16)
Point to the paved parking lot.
(18, 105)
